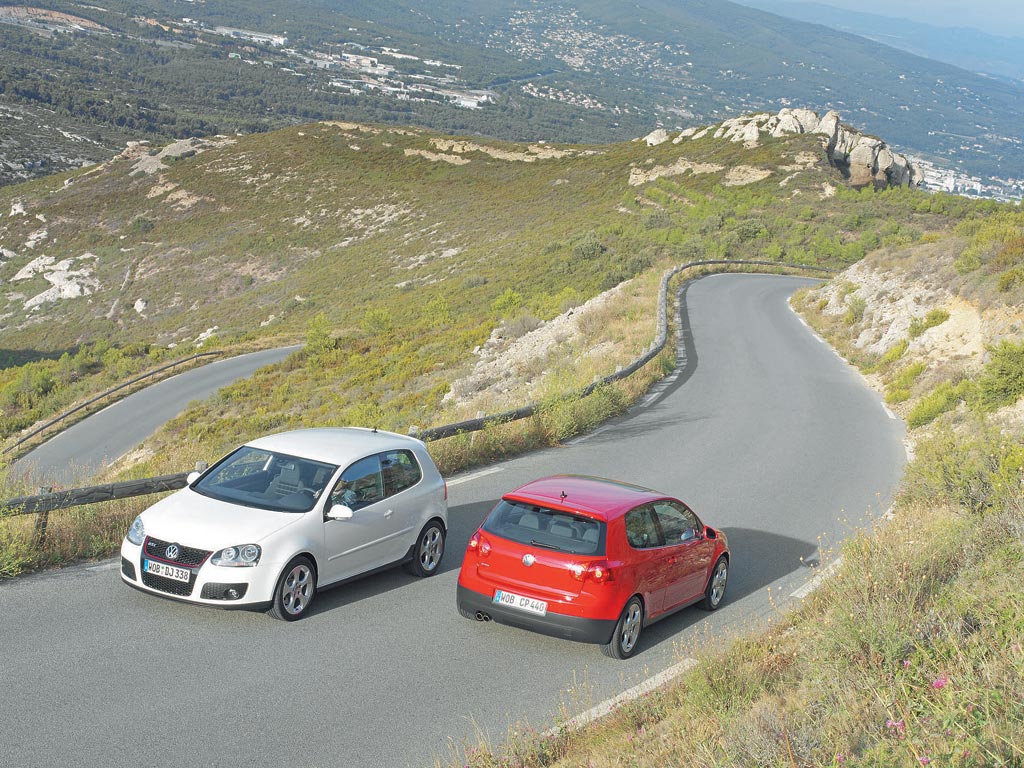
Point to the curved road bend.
(765, 431)
(76, 454)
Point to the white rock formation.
(654, 138)
(863, 159)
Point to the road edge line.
(608, 706)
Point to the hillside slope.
(396, 251)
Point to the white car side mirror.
(340, 512)
(192, 477)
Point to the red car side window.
(641, 530)
(674, 520)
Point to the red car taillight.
(598, 571)
(479, 544)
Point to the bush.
(895, 352)
(899, 388)
(318, 336)
(589, 247)
(976, 471)
(508, 304)
(1002, 381)
(921, 324)
(1011, 278)
(941, 399)
(855, 310)
(968, 261)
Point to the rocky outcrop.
(864, 160)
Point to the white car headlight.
(240, 556)
(137, 532)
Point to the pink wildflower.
(940, 682)
(896, 727)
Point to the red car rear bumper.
(576, 628)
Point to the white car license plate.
(520, 603)
(167, 571)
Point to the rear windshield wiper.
(536, 543)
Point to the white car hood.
(194, 520)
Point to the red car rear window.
(547, 528)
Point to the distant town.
(939, 179)
(362, 70)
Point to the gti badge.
(529, 560)
(172, 552)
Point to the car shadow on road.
(759, 558)
(463, 520)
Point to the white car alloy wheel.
(295, 590)
(429, 550)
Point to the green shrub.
(968, 261)
(976, 471)
(508, 304)
(921, 324)
(589, 247)
(378, 321)
(318, 336)
(1010, 278)
(1002, 381)
(895, 352)
(899, 388)
(855, 310)
(941, 399)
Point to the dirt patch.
(509, 371)
(741, 175)
(678, 168)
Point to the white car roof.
(334, 445)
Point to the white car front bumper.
(206, 584)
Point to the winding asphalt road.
(77, 453)
(763, 430)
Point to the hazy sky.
(998, 17)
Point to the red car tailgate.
(549, 575)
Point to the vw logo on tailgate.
(529, 559)
(172, 552)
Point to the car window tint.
(674, 520)
(400, 470)
(360, 485)
(546, 528)
(641, 530)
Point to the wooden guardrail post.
(42, 520)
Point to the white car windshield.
(254, 477)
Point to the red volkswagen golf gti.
(592, 560)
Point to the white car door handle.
(387, 514)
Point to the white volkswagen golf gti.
(290, 514)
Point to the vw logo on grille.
(172, 552)
(529, 560)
